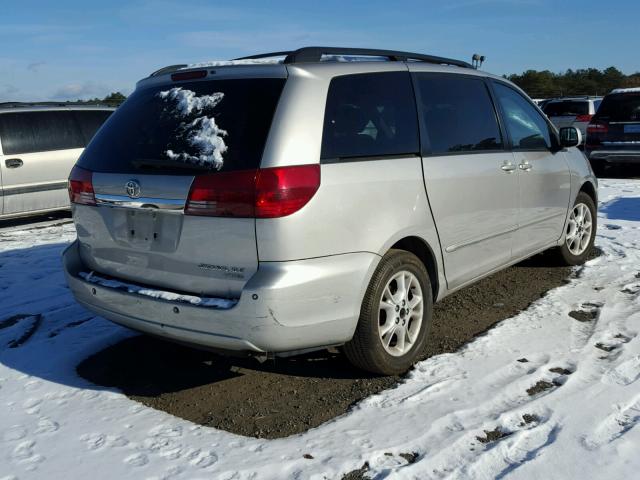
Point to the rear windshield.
(216, 125)
(566, 108)
(620, 107)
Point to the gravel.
(287, 396)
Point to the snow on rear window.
(138, 135)
(202, 133)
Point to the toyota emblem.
(132, 188)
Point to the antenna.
(477, 60)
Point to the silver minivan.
(39, 144)
(273, 206)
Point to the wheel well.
(590, 190)
(422, 250)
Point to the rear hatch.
(564, 113)
(616, 125)
(142, 166)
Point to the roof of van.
(573, 99)
(50, 106)
(626, 90)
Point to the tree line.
(114, 99)
(587, 81)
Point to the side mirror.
(570, 137)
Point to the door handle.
(526, 166)
(508, 167)
(13, 162)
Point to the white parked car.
(39, 144)
(572, 112)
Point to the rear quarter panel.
(361, 206)
(364, 206)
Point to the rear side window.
(620, 107)
(215, 125)
(368, 115)
(458, 114)
(28, 132)
(526, 126)
(566, 108)
(90, 121)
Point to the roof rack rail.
(265, 55)
(314, 54)
(170, 68)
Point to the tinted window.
(27, 132)
(90, 121)
(369, 115)
(458, 114)
(527, 128)
(566, 108)
(620, 107)
(596, 105)
(157, 133)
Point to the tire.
(568, 253)
(366, 349)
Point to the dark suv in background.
(613, 135)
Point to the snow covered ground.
(576, 421)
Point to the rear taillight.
(282, 191)
(81, 187)
(265, 193)
(584, 118)
(226, 194)
(595, 128)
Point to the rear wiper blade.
(162, 163)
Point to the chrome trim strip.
(458, 246)
(42, 187)
(172, 205)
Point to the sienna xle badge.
(291, 202)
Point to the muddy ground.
(288, 396)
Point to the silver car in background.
(572, 112)
(276, 208)
(39, 144)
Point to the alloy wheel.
(400, 313)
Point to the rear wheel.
(394, 317)
(580, 231)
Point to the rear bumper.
(611, 157)
(285, 306)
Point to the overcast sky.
(68, 49)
